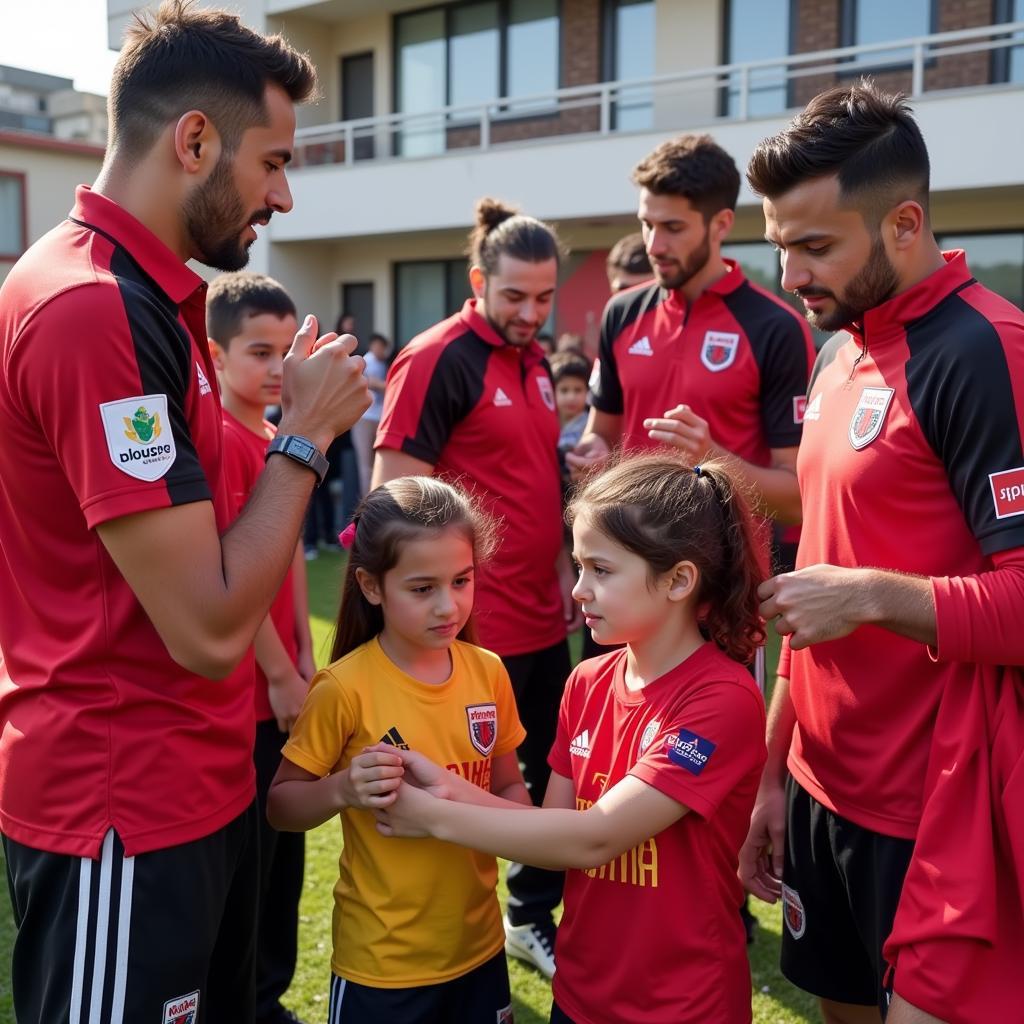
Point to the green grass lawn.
(775, 1000)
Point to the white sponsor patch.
(581, 745)
(182, 1009)
(868, 417)
(139, 437)
(1008, 492)
(719, 350)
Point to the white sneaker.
(533, 943)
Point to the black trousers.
(155, 937)
(282, 862)
(538, 679)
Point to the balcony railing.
(986, 57)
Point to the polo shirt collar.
(176, 279)
(479, 325)
(726, 284)
(917, 300)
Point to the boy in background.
(570, 372)
(251, 321)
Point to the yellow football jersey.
(410, 911)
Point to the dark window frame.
(503, 24)
(609, 46)
(22, 178)
(999, 66)
(942, 236)
(445, 262)
(726, 23)
(847, 33)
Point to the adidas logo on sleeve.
(581, 745)
(500, 398)
(641, 347)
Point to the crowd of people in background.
(165, 737)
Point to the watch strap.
(301, 450)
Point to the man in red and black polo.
(472, 400)
(896, 726)
(126, 777)
(701, 358)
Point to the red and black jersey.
(482, 412)
(911, 460)
(737, 355)
(109, 407)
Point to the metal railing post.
(485, 127)
(744, 98)
(350, 145)
(917, 76)
(606, 109)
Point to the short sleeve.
(709, 747)
(559, 758)
(510, 729)
(117, 425)
(605, 386)
(323, 727)
(785, 356)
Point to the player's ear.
(477, 281)
(370, 587)
(217, 352)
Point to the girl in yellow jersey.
(418, 936)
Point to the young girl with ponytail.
(657, 758)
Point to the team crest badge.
(719, 350)
(793, 912)
(139, 439)
(648, 737)
(546, 392)
(505, 1015)
(182, 1010)
(868, 417)
(483, 726)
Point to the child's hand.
(407, 815)
(372, 779)
(420, 771)
(286, 695)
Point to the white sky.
(59, 37)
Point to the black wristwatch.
(302, 450)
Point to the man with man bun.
(472, 399)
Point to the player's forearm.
(898, 602)
(297, 805)
(516, 793)
(271, 655)
(779, 731)
(300, 591)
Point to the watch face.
(300, 448)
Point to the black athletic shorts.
(480, 997)
(841, 885)
(166, 937)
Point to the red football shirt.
(244, 455)
(738, 356)
(912, 446)
(109, 407)
(482, 412)
(655, 936)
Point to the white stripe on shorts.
(99, 964)
(81, 932)
(124, 921)
(337, 995)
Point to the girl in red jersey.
(659, 750)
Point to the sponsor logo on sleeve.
(182, 1009)
(868, 417)
(799, 408)
(793, 912)
(813, 410)
(204, 384)
(483, 726)
(719, 350)
(1008, 492)
(547, 393)
(689, 751)
(139, 438)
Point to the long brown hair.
(668, 513)
(392, 515)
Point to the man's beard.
(872, 285)
(695, 263)
(215, 219)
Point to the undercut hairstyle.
(668, 513)
(629, 254)
(866, 136)
(232, 298)
(403, 510)
(569, 364)
(185, 58)
(502, 230)
(693, 167)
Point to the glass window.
(996, 260)
(758, 30)
(876, 21)
(427, 292)
(1014, 59)
(633, 33)
(12, 215)
(474, 54)
(532, 48)
(421, 86)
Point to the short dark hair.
(503, 230)
(186, 58)
(231, 298)
(867, 137)
(693, 167)
(569, 364)
(630, 254)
